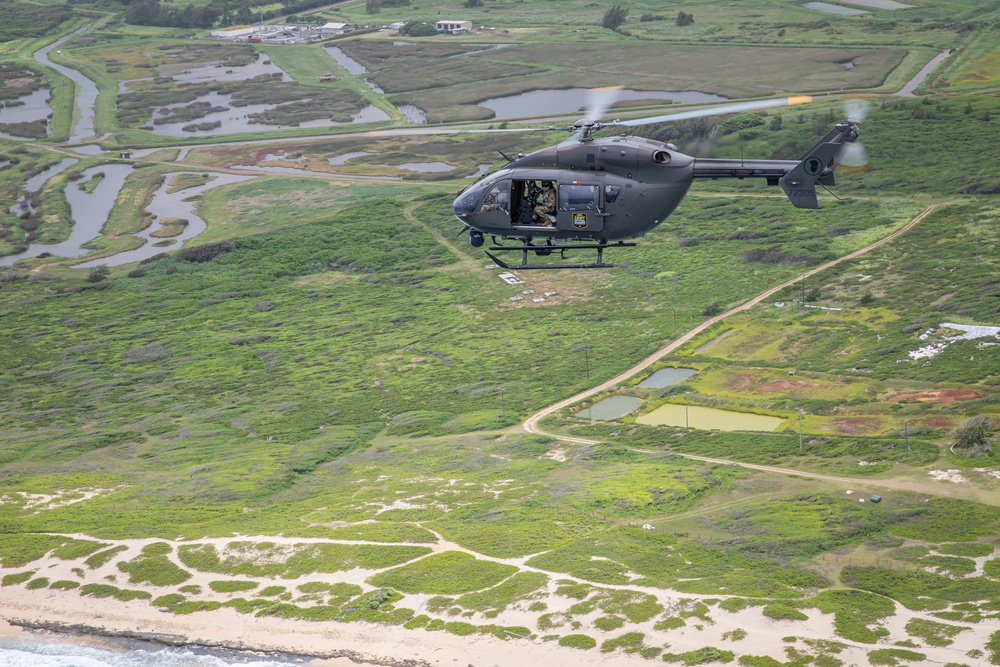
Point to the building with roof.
(453, 27)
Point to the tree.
(98, 273)
(614, 17)
(373, 6)
(973, 435)
(683, 19)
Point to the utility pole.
(800, 430)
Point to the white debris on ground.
(779, 304)
(555, 455)
(528, 291)
(989, 471)
(510, 279)
(947, 475)
(862, 277)
(516, 298)
(830, 308)
(970, 332)
(538, 299)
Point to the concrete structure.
(453, 27)
(233, 31)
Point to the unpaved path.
(531, 423)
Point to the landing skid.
(547, 250)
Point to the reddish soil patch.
(782, 385)
(936, 396)
(857, 425)
(937, 422)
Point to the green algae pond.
(708, 419)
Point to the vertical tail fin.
(816, 166)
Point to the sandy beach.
(334, 644)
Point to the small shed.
(334, 29)
(329, 77)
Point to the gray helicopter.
(596, 193)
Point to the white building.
(334, 28)
(233, 32)
(453, 27)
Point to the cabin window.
(575, 197)
(611, 193)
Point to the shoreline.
(359, 643)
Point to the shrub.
(783, 612)
(892, 656)
(232, 586)
(40, 582)
(700, 656)
(578, 641)
(614, 17)
(627, 641)
(608, 623)
(17, 578)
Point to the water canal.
(85, 96)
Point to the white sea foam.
(27, 651)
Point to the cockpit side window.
(497, 199)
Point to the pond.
(834, 9)
(666, 377)
(481, 170)
(414, 115)
(27, 108)
(611, 407)
(343, 159)
(89, 210)
(216, 71)
(571, 100)
(707, 419)
(173, 205)
(350, 64)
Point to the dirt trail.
(531, 423)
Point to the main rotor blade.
(719, 110)
(599, 100)
(853, 159)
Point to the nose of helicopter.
(465, 205)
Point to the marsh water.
(35, 183)
(27, 108)
(89, 210)
(708, 419)
(611, 407)
(567, 100)
(666, 377)
(170, 205)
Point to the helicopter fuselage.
(606, 189)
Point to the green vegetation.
(933, 633)
(102, 558)
(893, 656)
(17, 578)
(153, 566)
(109, 591)
(268, 560)
(856, 614)
(445, 573)
(231, 586)
(700, 656)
